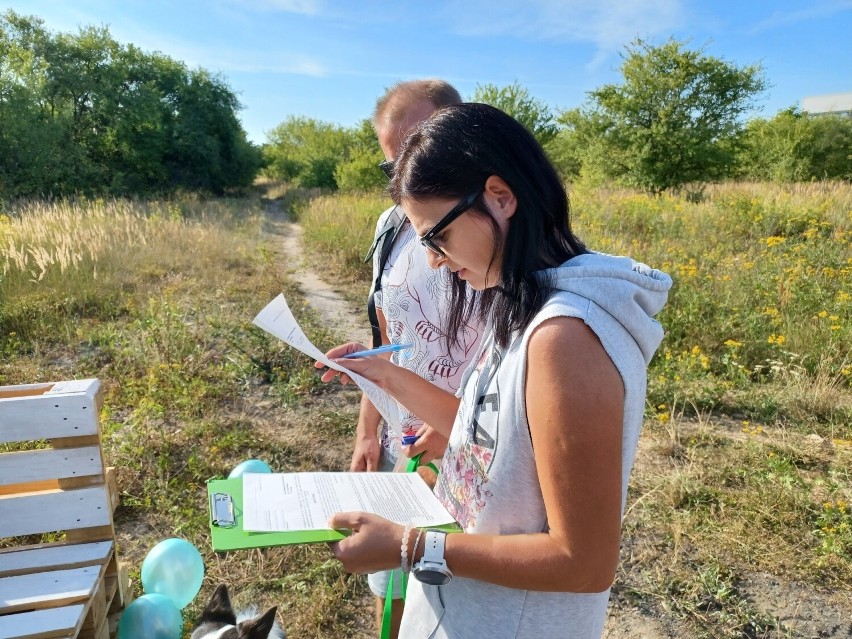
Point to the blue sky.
(330, 59)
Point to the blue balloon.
(250, 466)
(173, 568)
(151, 617)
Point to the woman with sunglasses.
(543, 434)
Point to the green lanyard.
(413, 464)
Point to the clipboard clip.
(222, 510)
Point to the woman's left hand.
(374, 544)
(378, 368)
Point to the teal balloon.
(173, 568)
(151, 617)
(250, 466)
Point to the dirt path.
(347, 319)
(802, 611)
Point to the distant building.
(832, 103)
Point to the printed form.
(277, 319)
(305, 501)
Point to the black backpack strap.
(383, 244)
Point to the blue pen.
(387, 348)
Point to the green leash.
(412, 466)
(386, 615)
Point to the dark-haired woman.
(544, 431)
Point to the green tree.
(84, 113)
(793, 146)
(775, 149)
(832, 147)
(306, 152)
(360, 170)
(675, 119)
(516, 100)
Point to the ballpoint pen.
(387, 348)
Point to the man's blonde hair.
(391, 107)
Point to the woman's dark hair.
(451, 155)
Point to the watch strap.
(433, 551)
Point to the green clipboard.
(226, 522)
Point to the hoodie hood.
(631, 292)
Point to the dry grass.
(739, 471)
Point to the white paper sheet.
(305, 501)
(277, 319)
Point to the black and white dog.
(218, 621)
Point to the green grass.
(743, 464)
(339, 230)
(761, 298)
(748, 438)
(159, 309)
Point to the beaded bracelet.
(414, 547)
(403, 553)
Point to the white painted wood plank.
(54, 510)
(50, 414)
(60, 555)
(53, 622)
(48, 589)
(52, 388)
(37, 465)
(22, 390)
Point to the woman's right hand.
(336, 353)
(377, 368)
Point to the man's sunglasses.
(428, 240)
(387, 168)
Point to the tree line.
(84, 114)
(676, 120)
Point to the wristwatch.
(432, 569)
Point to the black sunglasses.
(467, 202)
(387, 168)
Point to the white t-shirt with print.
(414, 299)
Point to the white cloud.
(222, 58)
(294, 64)
(304, 7)
(242, 61)
(785, 18)
(608, 24)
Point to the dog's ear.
(258, 627)
(219, 607)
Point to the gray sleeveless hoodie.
(488, 477)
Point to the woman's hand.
(378, 368)
(374, 544)
(429, 442)
(335, 353)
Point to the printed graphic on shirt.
(463, 481)
(414, 299)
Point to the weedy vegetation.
(156, 299)
(742, 476)
(743, 468)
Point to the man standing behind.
(410, 301)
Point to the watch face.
(433, 577)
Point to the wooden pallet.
(59, 574)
